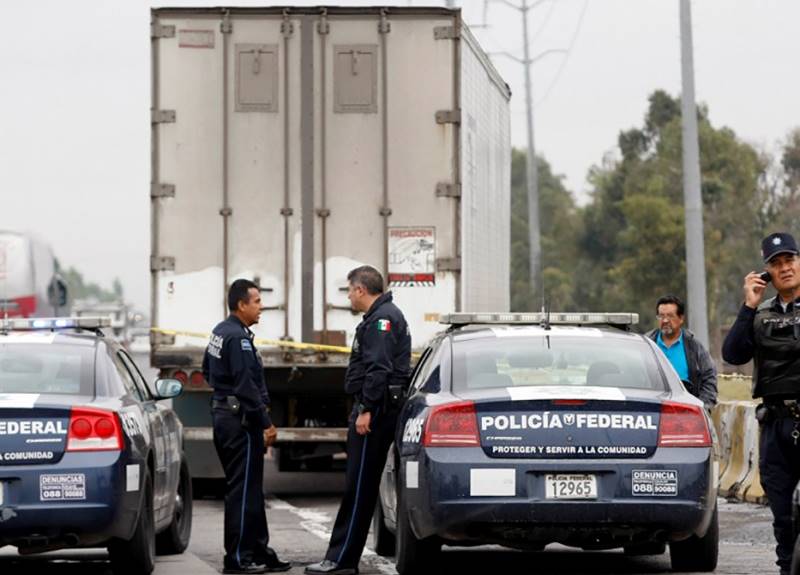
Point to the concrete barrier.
(721, 417)
(738, 434)
(736, 452)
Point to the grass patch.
(734, 388)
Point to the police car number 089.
(570, 487)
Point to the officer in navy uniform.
(380, 358)
(769, 333)
(242, 429)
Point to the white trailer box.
(291, 145)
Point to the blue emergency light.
(53, 323)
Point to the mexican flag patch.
(384, 325)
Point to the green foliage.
(78, 288)
(626, 246)
(559, 219)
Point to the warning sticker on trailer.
(412, 257)
(654, 482)
(62, 487)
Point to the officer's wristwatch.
(362, 409)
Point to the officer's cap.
(777, 243)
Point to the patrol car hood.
(573, 423)
(33, 427)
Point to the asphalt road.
(301, 508)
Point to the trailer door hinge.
(160, 31)
(446, 33)
(448, 265)
(162, 116)
(448, 117)
(162, 263)
(162, 190)
(447, 190)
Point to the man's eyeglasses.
(668, 316)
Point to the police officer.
(242, 428)
(769, 333)
(380, 358)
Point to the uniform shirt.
(232, 366)
(381, 354)
(740, 343)
(676, 354)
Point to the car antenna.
(545, 313)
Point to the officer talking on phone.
(242, 429)
(768, 332)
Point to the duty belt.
(230, 403)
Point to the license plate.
(570, 487)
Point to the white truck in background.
(30, 285)
(290, 145)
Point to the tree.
(634, 224)
(559, 249)
(78, 288)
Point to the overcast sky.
(74, 103)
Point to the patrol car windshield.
(46, 368)
(495, 362)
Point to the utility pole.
(693, 203)
(531, 167)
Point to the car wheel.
(414, 555)
(138, 554)
(175, 539)
(697, 553)
(383, 540)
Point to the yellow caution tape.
(259, 341)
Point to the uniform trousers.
(241, 452)
(366, 456)
(779, 464)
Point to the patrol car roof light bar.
(54, 323)
(488, 318)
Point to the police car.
(528, 429)
(88, 455)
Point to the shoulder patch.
(384, 325)
(246, 345)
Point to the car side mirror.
(168, 388)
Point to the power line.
(544, 23)
(565, 59)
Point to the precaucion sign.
(412, 257)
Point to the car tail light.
(181, 376)
(93, 430)
(683, 425)
(197, 379)
(452, 425)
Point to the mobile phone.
(765, 277)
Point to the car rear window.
(494, 362)
(46, 368)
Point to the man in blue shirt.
(690, 359)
